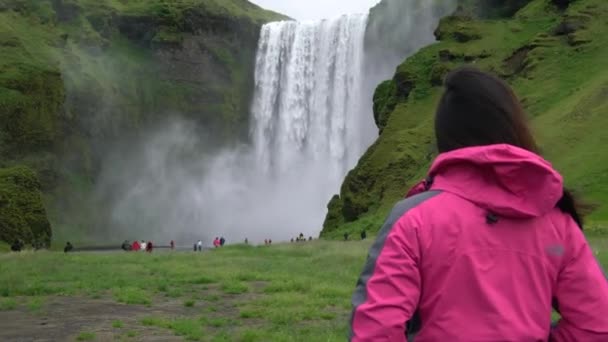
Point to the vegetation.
(552, 55)
(78, 77)
(22, 214)
(296, 292)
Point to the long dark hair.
(479, 109)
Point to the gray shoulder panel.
(400, 209)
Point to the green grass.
(86, 336)
(305, 295)
(234, 287)
(35, 304)
(7, 304)
(132, 295)
(562, 82)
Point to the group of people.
(219, 242)
(141, 246)
(301, 238)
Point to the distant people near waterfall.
(172, 244)
(143, 245)
(291, 240)
(269, 242)
(149, 247)
(266, 242)
(17, 245)
(363, 234)
(126, 246)
(135, 246)
(216, 242)
(246, 241)
(68, 247)
(310, 238)
(222, 241)
(199, 245)
(301, 237)
(345, 236)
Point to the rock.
(22, 213)
(567, 27)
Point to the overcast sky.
(316, 9)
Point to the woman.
(489, 244)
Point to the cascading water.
(307, 107)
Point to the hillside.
(554, 54)
(81, 78)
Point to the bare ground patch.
(65, 318)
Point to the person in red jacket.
(135, 246)
(489, 244)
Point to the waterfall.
(307, 104)
(311, 120)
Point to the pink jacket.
(482, 256)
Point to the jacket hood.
(505, 180)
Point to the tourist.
(269, 242)
(246, 241)
(489, 244)
(16, 246)
(143, 245)
(345, 236)
(363, 234)
(126, 246)
(149, 247)
(199, 245)
(68, 247)
(266, 242)
(222, 241)
(135, 246)
(172, 244)
(310, 238)
(216, 242)
(291, 240)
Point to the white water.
(307, 111)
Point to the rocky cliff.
(79, 78)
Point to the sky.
(316, 9)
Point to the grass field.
(293, 292)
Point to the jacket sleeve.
(581, 294)
(388, 290)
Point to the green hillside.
(553, 52)
(80, 77)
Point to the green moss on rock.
(22, 213)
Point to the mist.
(169, 187)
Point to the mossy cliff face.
(80, 77)
(552, 52)
(22, 213)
